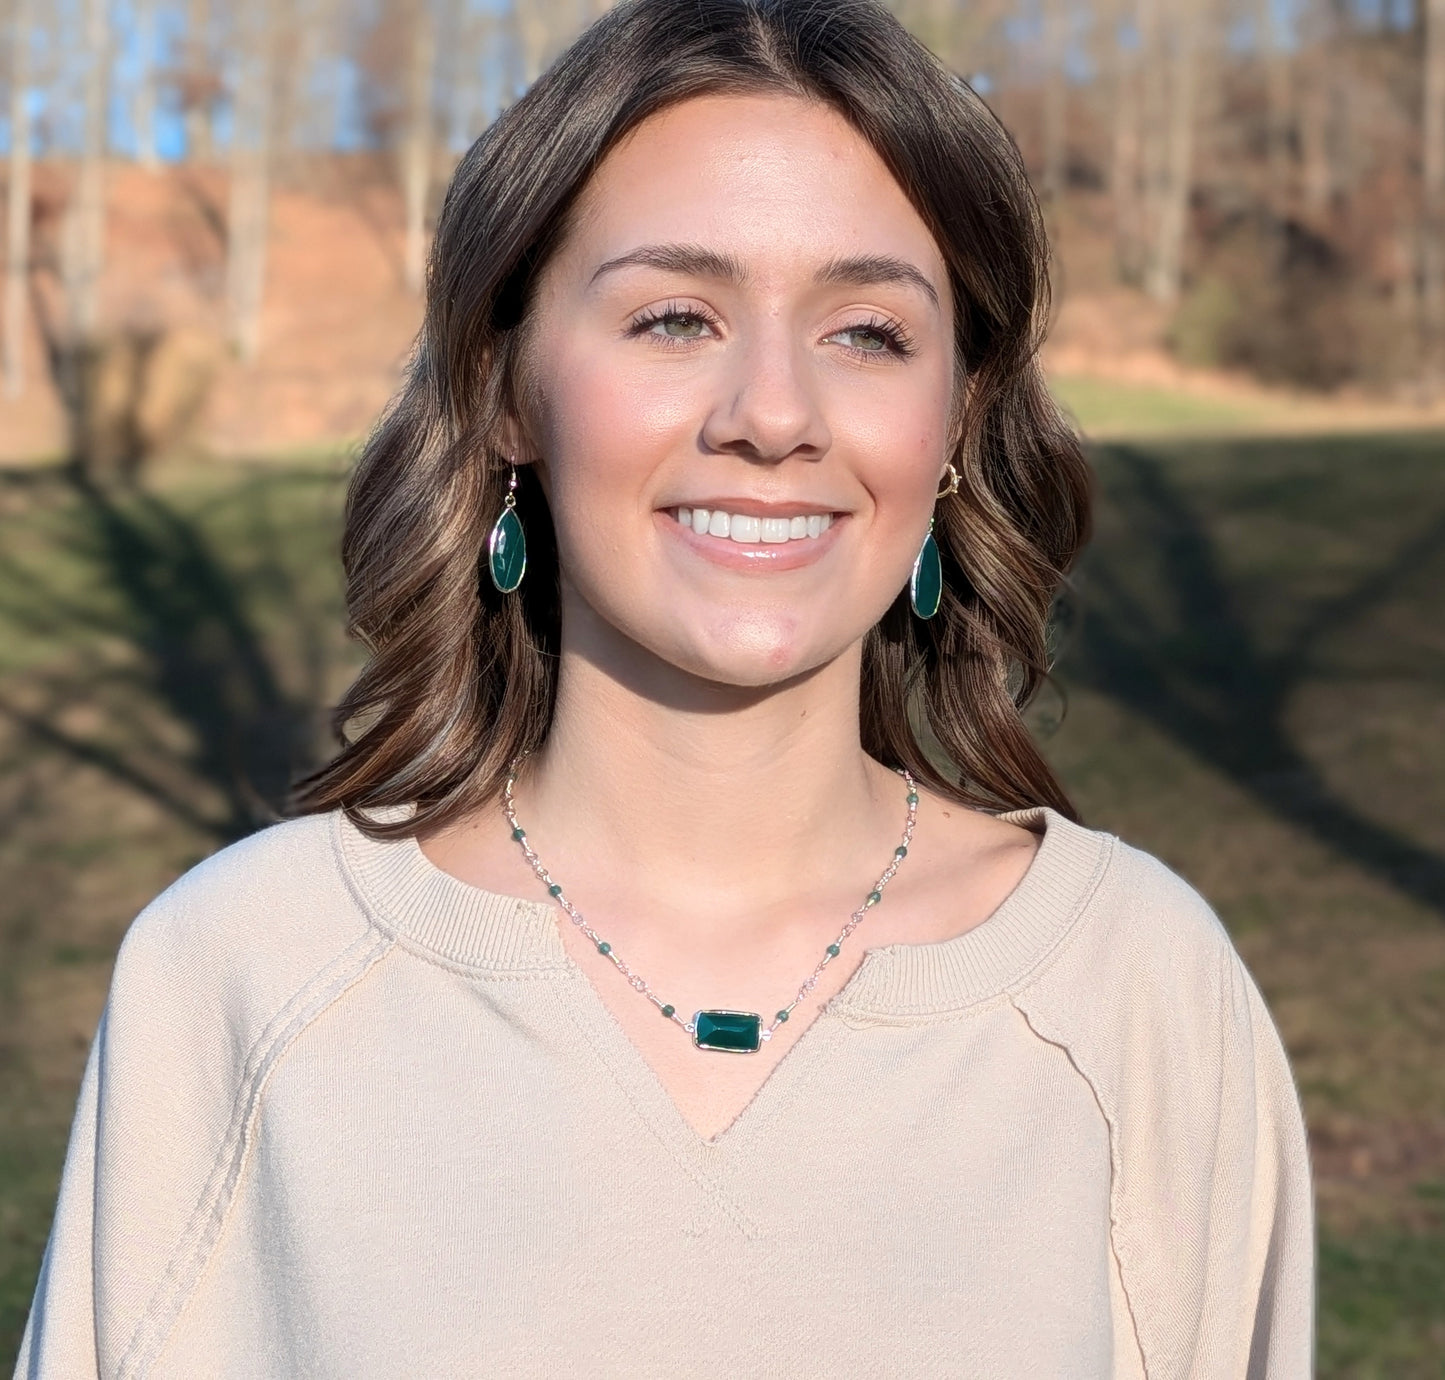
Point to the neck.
(706, 789)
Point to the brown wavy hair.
(461, 679)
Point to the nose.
(767, 407)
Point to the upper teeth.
(743, 527)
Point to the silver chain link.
(636, 980)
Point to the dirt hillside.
(338, 322)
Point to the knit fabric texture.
(347, 1116)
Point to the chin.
(756, 654)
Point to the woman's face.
(748, 324)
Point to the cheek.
(605, 433)
(604, 423)
(899, 444)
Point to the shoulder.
(1143, 900)
(248, 927)
(1210, 1174)
(1136, 921)
(1144, 983)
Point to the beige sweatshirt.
(346, 1116)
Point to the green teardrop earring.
(507, 545)
(925, 586)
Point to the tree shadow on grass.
(166, 681)
(161, 677)
(1164, 630)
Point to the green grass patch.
(1382, 1298)
(1108, 408)
(30, 1160)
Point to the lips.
(757, 541)
(749, 528)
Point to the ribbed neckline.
(494, 933)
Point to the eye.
(681, 325)
(673, 323)
(876, 338)
(867, 338)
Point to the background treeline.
(1272, 172)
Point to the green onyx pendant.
(507, 549)
(925, 588)
(737, 1032)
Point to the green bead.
(874, 897)
(604, 947)
(669, 1011)
(781, 1016)
(900, 852)
(832, 951)
(555, 889)
(507, 552)
(912, 798)
(519, 834)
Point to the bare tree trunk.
(417, 141)
(1432, 228)
(1278, 100)
(1056, 95)
(953, 30)
(933, 21)
(145, 93)
(463, 81)
(199, 144)
(534, 36)
(1316, 104)
(1124, 154)
(248, 219)
(17, 236)
(307, 108)
(84, 232)
(1153, 126)
(1176, 183)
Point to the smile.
(747, 529)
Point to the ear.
(514, 440)
(958, 409)
(515, 433)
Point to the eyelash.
(673, 311)
(899, 342)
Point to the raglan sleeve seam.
(326, 986)
(1066, 1026)
(1044, 1029)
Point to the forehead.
(778, 181)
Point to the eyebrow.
(859, 270)
(865, 270)
(691, 259)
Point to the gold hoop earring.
(951, 488)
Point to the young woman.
(689, 965)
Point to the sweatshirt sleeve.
(59, 1335)
(154, 1136)
(213, 983)
(1272, 1159)
(1211, 1200)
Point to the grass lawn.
(1251, 685)
(1109, 408)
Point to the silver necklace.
(735, 1032)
